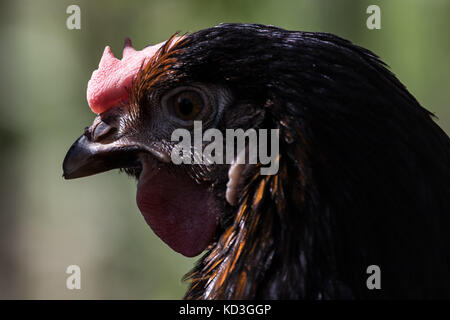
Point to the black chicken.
(364, 171)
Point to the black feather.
(364, 172)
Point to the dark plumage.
(364, 171)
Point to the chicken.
(363, 170)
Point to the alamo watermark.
(262, 147)
(374, 280)
(373, 22)
(73, 21)
(74, 280)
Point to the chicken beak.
(101, 148)
(86, 157)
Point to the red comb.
(108, 85)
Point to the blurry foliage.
(47, 223)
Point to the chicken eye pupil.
(185, 106)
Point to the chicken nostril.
(101, 131)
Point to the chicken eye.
(187, 104)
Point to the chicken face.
(183, 204)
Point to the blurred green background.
(47, 223)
